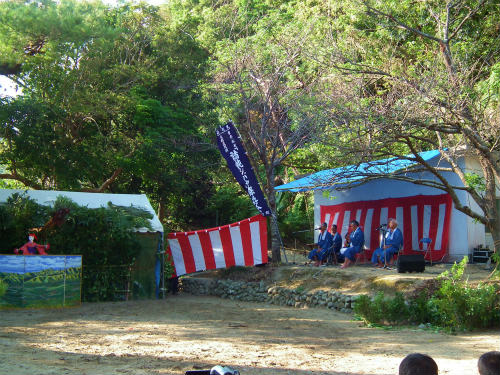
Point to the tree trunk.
(489, 205)
(275, 235)
(495, 233)
(161, 211)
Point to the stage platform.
(359, 279)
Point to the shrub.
(17, 215)
(462, 306)
(363, 309)
(396, 309)
(421, 309)
(449, 302)
(381, 309)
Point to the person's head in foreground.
(489, 363)
(418, 364)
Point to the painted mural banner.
(32, 281)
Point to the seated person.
(391, 244)
(489, 363)
(347, 239)
(325, 240)
(355, 245)
(337, 243)
(347, 243)
(418, 364)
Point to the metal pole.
(161, 252)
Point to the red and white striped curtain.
(239, 244)
(420, 216)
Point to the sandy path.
(187, 332)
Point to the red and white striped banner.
(420, 216)
(239, 244)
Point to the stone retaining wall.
(261, 292)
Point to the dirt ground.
(187, 332)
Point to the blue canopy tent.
(350, 175)
(385, 184)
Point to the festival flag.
(239, 244)
(420, 216)
(231, 148)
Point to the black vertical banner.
(236, 157)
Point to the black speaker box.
(411, 263)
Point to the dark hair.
(334, 226)
(489, 363)
(354, 222)
(418, 364)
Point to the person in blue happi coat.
(356, 243)
(391, 244)
(325, 240)
(337, 243)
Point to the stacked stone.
(240, 290)
(331, 299)
(196, 286)
(260, 292)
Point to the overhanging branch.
(106, 183)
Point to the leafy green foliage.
(17, 216)
(367, 309)
(229, 204)
(295, 216)
(475, 181)
(122, 98)
(422, 309)
(454, 305)
(112, 99)
(462, 306)
(168, 266)
(3, 287)
(382, 309)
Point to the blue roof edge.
(322, 180)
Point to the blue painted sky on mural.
(34, 263)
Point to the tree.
(112, 101)
(421, 76)
(267, 85)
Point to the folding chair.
(390, 263)
(426, 246)
(360, 257)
